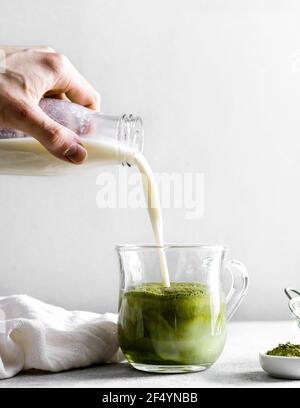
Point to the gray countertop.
(237, 367)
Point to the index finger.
(71, 83)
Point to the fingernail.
(76, 153)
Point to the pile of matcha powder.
(285, 350)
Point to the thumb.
(60, 141)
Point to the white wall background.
(223, 77)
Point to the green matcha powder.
(285, 350)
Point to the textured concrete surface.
(237, 367)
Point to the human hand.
(35, 72)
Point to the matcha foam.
(176, 290)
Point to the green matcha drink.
(178, 325)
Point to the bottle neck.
(130, 135)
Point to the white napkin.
(36, 335)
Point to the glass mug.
(181, 328)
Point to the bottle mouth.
(130, 134)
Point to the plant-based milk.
(26, 156)
(155, 213)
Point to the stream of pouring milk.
(155, 213)
(26, 156)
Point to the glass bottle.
(109, 140)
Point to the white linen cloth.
(36, 335)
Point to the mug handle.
(239, 286)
